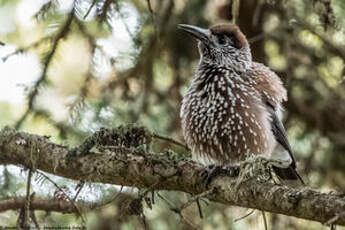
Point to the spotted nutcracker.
(232, 109)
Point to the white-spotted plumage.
(225, 104)
(232, 109)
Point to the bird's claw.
(213, 171)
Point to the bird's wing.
(268, 84)
(273, 94)
(280, 135)
(279, 132)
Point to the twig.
(26, 223)
(103, 203)
(245, 216)
(152, 15)
(6, 184)
(117, 194)
(154, 135)
(47, 204)
(105, 8)
(166, 200)
(89, 10)
(194, 198)
(34, 219)
(71, 200)
(187, 204)
(79, 187)
(33, 94)
(151, 188)
(265, 221)
(199, 208)
(149, 6)
(176, 210)
(31, 46)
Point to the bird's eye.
(222, 39)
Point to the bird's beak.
(197, 32)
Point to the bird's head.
(222, 44)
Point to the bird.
(232, 109)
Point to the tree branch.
(136, 167)
(48, 60)
(45, 204)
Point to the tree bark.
(45, 204)
(137, 167)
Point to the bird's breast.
(223, 118)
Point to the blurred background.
(68, 68)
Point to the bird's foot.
(260, 168)
(213, 171)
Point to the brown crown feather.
(232, 31)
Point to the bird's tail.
(289, 173)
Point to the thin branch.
(90, 8)
(265, 220)
(33, 94)
(105, 9)
(245, 216)
(34, 219)
(168, 202)
(199, 208)
(154, 135)
(66, 195)
(79, 187)
(27, 202)
(178, 211)
(152, 15)
(7, 181)
(47, 204)
(149, 6)
(195, 198)
(26, 48)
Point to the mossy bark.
(137, 167)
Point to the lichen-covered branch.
(122, 164)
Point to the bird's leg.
(213, 171)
